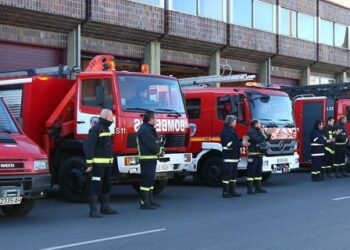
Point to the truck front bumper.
(173, 163)
(30, 186)
(280, 164)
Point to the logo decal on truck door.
(164, 125)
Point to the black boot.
(233, 188)
(337, 172)
(226, 190)
(329, 173)
(94, 211)
(145, 201)
(315, 177)
(151, 200)
(343, 172)
(323, 174)
(258, 188)
(105, 205)
(250, 188)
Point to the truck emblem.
(281, 145)
(162, 139)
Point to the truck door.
(306, 112)
(95, 94)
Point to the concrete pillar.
(152, 57)
(342, 77)
(265, 71)
(74, 48)
(214, 64)
(306, 75)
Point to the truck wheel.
(159, 186)
(211, 171)
(266, 176)
(19, 210)
(72, 179)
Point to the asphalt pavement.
(294, 214)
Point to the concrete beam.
(265, 71)
(152, 57)
(306, 76)
(342, 77)
(214, 64)
(74, 47)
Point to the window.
(187, 6)
(264, 16)
(241, 12)
(326, 32)
(306, 27)
(348, 113)
(97, 93)
(341, 36)
(288, 22)
(6, 122)
(159, 3)
(212, 9)
(193, 109)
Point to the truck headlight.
(40, 165)
(188, 157)
(131, 161)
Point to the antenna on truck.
(205, 81)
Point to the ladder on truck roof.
(334, 90)
(57, 71)
(205, 81)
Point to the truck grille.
(285, 147)
(172, 141)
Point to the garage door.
(16, 57)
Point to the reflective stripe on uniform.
(103, 134)
(250, 179)
(148, 157)
(340, 143)
(89, 161)
(229, 144)
(258, 178)
(145, 188)
(102, 160)
(231, 160)
(316, 144)
(233, 180)
(315, 172)
(225, 182)
(226, 148)
(315, 139)
(320, 154)
(341, 164)
(96, 178)
(329, 150)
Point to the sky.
(345, 3)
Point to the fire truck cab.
(57, 113)
(207, 109)
(24, 172)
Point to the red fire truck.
(24, 172)
(207, 108)
(57, 114)
(317, 102)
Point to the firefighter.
(99, 159)
(149, 151)
(341, 139)
(231, 146)
(328, 159)
(317, 145)
(256, 150)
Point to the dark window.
(97, 93)
(231, 105)
(193, 109)
(348, 113)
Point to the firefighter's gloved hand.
(89, 169)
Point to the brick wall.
(111, 47)
(184, 57)
(286, 72)
(241, 66)
(293, 47)
(333, 55)
(32, 36)
(328, 10)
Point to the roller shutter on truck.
(13, 99)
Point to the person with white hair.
(99, 159)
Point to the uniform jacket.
(231, 144)
(329, 133)
(342, 138)
(98, 144)
(147, 142)
(255, 137)
(317, 143)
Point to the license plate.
(10, 201)
(283, 168)
(161, 167)
(282, 160)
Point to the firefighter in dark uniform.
(99, 159)
(341, 139)
(149, 151)
(231, 145)
(257, 140)
(328, 159)
(317, 145)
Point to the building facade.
(281, 41)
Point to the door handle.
(80, 122)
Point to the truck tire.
(266, 176)
(19, 210)
(211, 171)
(72, 179)
(159, 186)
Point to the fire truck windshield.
(6, 123)
(144, 93)
(275, 110)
